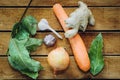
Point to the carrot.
(77, 44)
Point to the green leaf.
(19, 32)
(21, 44)
(95, 55)
(22, 35)
(30, 24)
(33, 75)
(33, 43)
(16, 29)
(19, 58)
(27, 26)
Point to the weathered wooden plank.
(14, 2)
(111, 43)
(63, 2)
(74, 2)
(9, 16)
(111, 70)
(106, 18)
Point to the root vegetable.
(77, 44)
(58, 59)
(79, 20)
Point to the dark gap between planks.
(47, 55)
(102, 31)
(50, 6)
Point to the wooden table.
(107, 15)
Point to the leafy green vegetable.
(95, 54)
(16, 29)
(20, 59)
(32, 44)
(30, 74)
(30, 24)
(27, 25)
(22, 35)
(21, 44)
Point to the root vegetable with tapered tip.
(77, 44)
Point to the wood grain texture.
(14, 2)
(74, 2)
(106, 18)
(106, 13)
(111, 43)
(63, 2)
(111, 70)
(9, 17)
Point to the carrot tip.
(55, 5)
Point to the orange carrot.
(77, 44)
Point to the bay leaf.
(95, 55)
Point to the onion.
(58, 59)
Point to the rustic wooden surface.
(108, 19)
(107, 15)
(74, 2)
(14, 2)
(110, 71)
(111, 40)
(63, 2)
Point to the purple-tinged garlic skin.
(49, 40)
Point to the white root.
(44, 25)
(79, 19)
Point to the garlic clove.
(44, 25)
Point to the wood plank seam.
(102, 31)
(44, 56)
(47, 55)
(63, 2)
(51, 6)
